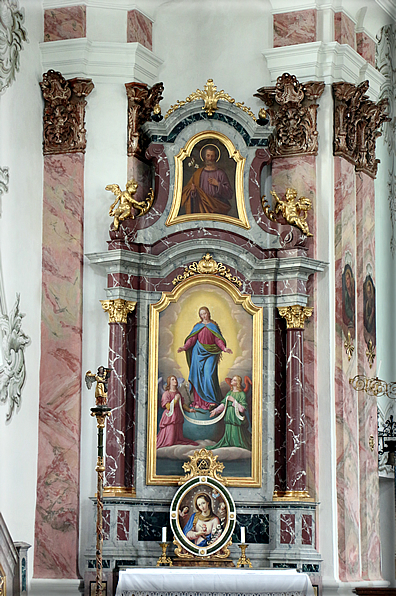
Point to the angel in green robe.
(236, 433)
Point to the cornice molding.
(105, 62)
(330, 62)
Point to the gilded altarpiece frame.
(228, 205)
(238, 368)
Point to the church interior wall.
(193, 41)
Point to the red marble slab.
(139, 29)
(287, 528)
(69, 22)
(344, 29)
(122, 525)
(297, 27)
(306, 529)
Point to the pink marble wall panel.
(295, 27)
(58, 469)
(68, 22)
(365, 46)
(140, 29)
(122, 525)
(287, 528)
(306, 529)
(369, 488)
(346, 402)
(106, 524)
(344, 29)
(298, 172)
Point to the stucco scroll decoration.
(143, 106)
(293, 114)
(64, 113)
(356, 123)
(209, 266)
(12, 34)
(4, 180)
(13, 371)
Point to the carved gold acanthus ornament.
(223, 553)
(293, 210)
(118, 309)
(370, 353)
(143, 102)
(210, 96)
(293, 115)
(295, 315)
(357, 120)
(126, 206)
(203, 463)
(207, 265)
(348, 345)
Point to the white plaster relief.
(13, 371)
(4, 180)
(12, 35)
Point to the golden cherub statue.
(128, 207)
(294, 210)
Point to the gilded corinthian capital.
(118, 309)
(295, 315)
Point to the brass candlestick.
(243, 561)
(164, 560)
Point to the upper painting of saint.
(209, 189)
(209, 181)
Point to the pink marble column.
(58, 466)
(368, 458)
(115, 481)
(296, 486)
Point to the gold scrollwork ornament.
(370, 353)
(207, 265)
(348, 345)
(203, 462)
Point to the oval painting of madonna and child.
(202, 516)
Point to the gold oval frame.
(233, 153)
(255, 480)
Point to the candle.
(164, 534)
(243, 535)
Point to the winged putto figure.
(294, 210)
(101, 378)
(126, 206)
(13, 371)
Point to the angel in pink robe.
(171, 424)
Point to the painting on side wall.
(369, 308)
(348, 300)
(209, 181)
(205, 380)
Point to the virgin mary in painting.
(203, 527)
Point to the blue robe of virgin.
(203, 360)
(190, 526)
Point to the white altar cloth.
(170, 581)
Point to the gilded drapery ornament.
(210, 97)
(64, 113)
(356, 123)
(118, 309)
(295, 315)
(370, 353)
(293, 210)
(348, 345)
(128, 207)
(207, 265)
(293, 115)
(143, 102)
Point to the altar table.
(169, 581)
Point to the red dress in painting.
(171, 424)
